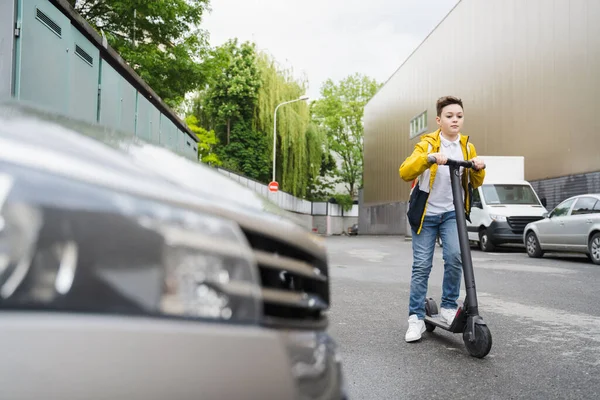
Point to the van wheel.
(532, 245)
(594, 248)
(484, 241)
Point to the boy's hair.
(446, 101)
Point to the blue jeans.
(423, 246)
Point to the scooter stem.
(465, 251)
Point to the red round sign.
(273, 186)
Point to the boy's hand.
(479, 164)
(440, 159)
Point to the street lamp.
(305, 97)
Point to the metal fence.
(282, 199)
(290, 202)
(86, 80)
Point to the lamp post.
(305, 97)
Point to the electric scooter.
(476, 335)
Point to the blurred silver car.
(573, 226)
(129, 272)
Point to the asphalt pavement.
(544, 315)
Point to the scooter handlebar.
(457, 163)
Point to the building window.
(418, 124)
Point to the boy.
(431, 210)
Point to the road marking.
(368, 254)
(562, 324)
(525, 268)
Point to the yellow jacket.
(416, 164)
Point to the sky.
(329, 39)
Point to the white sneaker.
(416, 327)
(448, 315)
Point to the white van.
(504, 204)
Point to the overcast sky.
(323, 39)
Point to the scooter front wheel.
(482, 344)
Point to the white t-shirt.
(440, 199)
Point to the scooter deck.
(458, 325)
(437, 321)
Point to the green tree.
(161, 40)
(207, 142)
(242, 89)
(247, 152)
(340, 112)
(234, 84)
(322, 166)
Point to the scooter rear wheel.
(482, 344)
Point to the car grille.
(517, 224)
(295, 284)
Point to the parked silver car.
(573, 226)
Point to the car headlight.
(499, 218)
(73, 246)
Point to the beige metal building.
(528, 72)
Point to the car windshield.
(509, 194)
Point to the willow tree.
(299, 149)
(243, 89)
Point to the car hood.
(203, 180)
(128, 160)
(516, 210)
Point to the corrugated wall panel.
(170, 129)
(185, 144)
(142, 126)
(195, 151)
(83, 75)
(45, 43)
(110, 97)
(128, 100)
(181, 142)
(163, 136)
(173, 137)
(154, 125)
(7, 47)
(167, 132)
(527, 73)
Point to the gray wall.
(527, 71)
(331, 225)
(7, 23)
(383, 219)
(340, 225)
(320, 224)
(305, 219)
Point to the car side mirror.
(477, 204)
(545, 215)
(544, 202)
